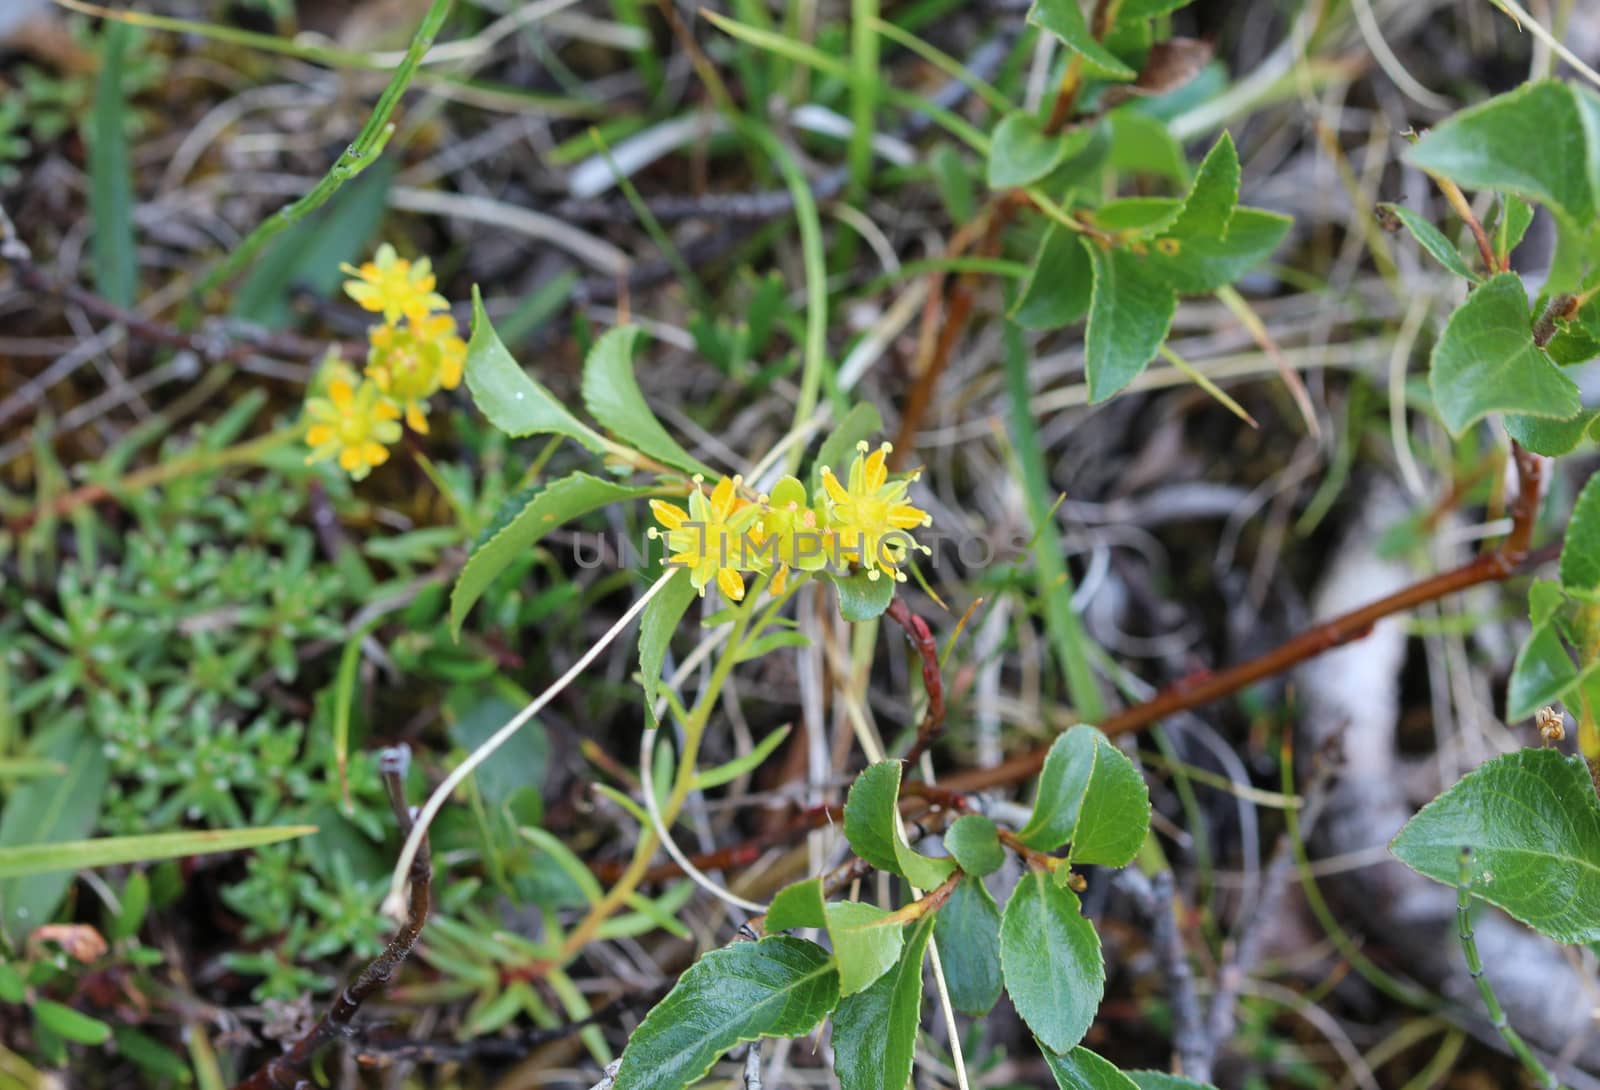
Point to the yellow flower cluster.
(412, 355)
(864, 521)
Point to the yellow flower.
(396, 287)
(353, 422)
(712, 539)
(411, 362)
(789, 533)
(868, 517)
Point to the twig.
(1191, 692)
(932, 681)
(293, 1068)
(752, 1067)
(1158, 900)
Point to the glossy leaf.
(1580, 553)
(1081, 1069)
(1060, 282)
(1431, 239)
(1209, 206)
(1542, 672)
(1160, 1080)
(1130, 311)
(508, 396)
(861, 597)
(1538, 142)
(1203, 263)
(875, 1031)
(1485, 361)
(1143, 144)
(797, 905)
(1552, 438)
(974, 843)
(522, 522)
(76, 855)
(1021, 152)
(863, 945)
(1147, 9)
(70, 1024)
(1092, 795)
(968, 931)
(660, 621)
(778, 987)
(611, 392)
(1533, 823)
(1050, 958)
(870, 827)
(1064, 19)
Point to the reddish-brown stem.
(293, 1068)
(932, 680)
(1458, 201)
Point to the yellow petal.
(375, 454)
(350, 459)
(731, 584)
(722, 497)
(834, 489)
(876, 472)
(667, 514)
(780, 579)
(415, 419)
(319, 434)
(340, 393)
(903, 516)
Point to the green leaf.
(1081, 1069)
(611, 392)
(1141, 144)
(1552, 438)
(1542, 672)
(863, 945)
(1050, 957)
(41, 814)
(875, 1031)
(656, 627)
(1092, 795)
(1534, 142)
(508, 396)
(116, 268)
(778, 987)
(859, 424)
(1064, 19)
(521, 761)
(1515, 218)
(1432, 240)
(1130, 311)
(797, 905)
(1148, 9)
(1485, 361)
(861, 597)
(70, 1024)
(1021, 152)
(968, 931)
(1209, 207)
(870, 811)
(1203, 263)
(731, 770)
(974, 843)
(1059, 282)
(1160, 1080)
(521, 523)
(76, 855)
(1580, 553)
(1533, 823)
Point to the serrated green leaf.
(778, 987)
(1091, 794)
(861, 597)
(1130, 311)
(656, 627)
(1552, 438)
(797, 905)
(968, 931)
(71, 1024)
(522, 521)
(1050, 958)
(1580, 552)
(76, 855)
(859, 424)
(1209, 206)
(1532, 821)
(1485, 361)
(611, 393)
(974, 842)
(43, 813)
(1021, 152)
(1431, 239)
(875, 1031)
(1542, 672)
(1516, 216)
(870, 826)
(1081, 1069)
(508, 396)
(1533, 142)
(1060, 282)
(1202, 264)
(863, 945)
(1142, 144)
(1064, 19)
